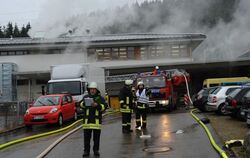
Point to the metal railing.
(11, 114)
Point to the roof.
(101, 38)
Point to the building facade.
(34, 57)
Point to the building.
(34, 56)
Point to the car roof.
(54, 95)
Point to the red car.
(51, 109)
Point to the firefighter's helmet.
(140, 83)
(92, 85)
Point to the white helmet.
(128, 82)
(92, 85)
(157, 67)
(140, 83)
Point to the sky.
(23, 11)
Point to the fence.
(11, 114)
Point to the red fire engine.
(167, 87)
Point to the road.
(177, 133)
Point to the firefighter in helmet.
(93, 104)
(141, 105)
(126, 98)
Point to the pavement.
(173, 135)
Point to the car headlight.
(164, 102)
(27, 112)
(53, 110)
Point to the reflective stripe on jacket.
(92, 118)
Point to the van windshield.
(71, 87)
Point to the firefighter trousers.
(87, 138)
(126, 121)
(141, 113)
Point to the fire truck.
(167, 87)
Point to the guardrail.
(11, 114)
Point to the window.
(41, 81)
(69, 98)
(22, 82)
(247, 94)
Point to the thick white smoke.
(224, 41)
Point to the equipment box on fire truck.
(167, 87)
(73, 78)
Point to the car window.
(230, 90)
(211, 90)
(69, 98)
(216, 90)
(247, 94)
(235, 92)
(65, 99)
(47, 101)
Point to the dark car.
(200, 99)
(234, 102)
(245, 109)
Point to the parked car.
(216, 100)
(200, 99)
(51, 109)
(245, 108)
(234, 102)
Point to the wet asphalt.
(173, 135)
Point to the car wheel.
(222, 109)
(75, 116)
(60, 120)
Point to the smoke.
(225, 22)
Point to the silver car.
(216, 100)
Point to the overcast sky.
(23, 11)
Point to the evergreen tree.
(1, 32)
(16, 32)
(23, 32)
(9, 30)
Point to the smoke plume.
(225, 22)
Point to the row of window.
(137, 53)
(26, 82)
(26, 52)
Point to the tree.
(16, 32)
(9, 30)
(23, 32)
(1, 32)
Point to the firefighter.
(93, 104)
(126, 98)
(156, 71)
(141, 105)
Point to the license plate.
(151, 105)
(38, 117)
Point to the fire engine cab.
(167, 87)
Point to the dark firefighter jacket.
(127, 100)
(92, 118)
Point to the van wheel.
(221, 109)
(75, 116)
(60, 120)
